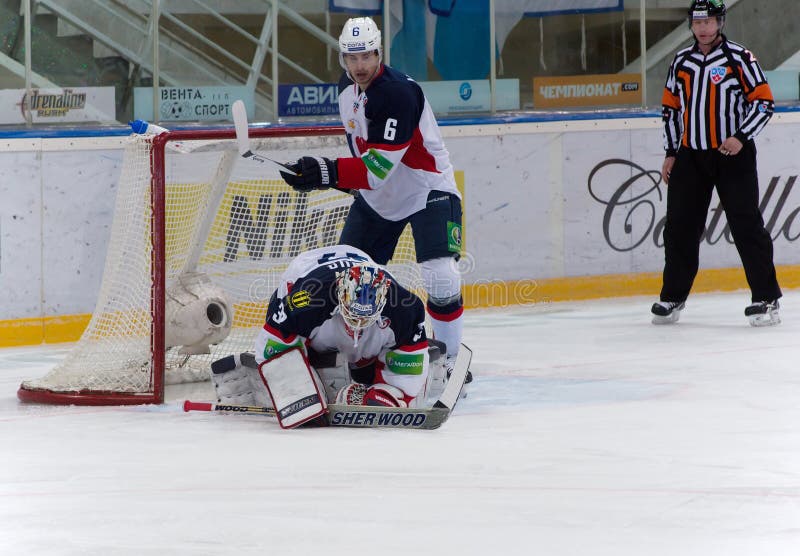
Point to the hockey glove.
(312, 173)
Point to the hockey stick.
(347, 415)
(243, 138)
(372, 416)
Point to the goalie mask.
(361, 291)
(360, 34)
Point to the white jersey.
(392, 129)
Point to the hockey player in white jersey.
(333, 300)
(401, 171)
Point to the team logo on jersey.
(299, 299)
(359, 102)
(718, 74)
(351, 124)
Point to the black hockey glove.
(312, 173)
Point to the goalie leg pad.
(297, 393)
(237, 384)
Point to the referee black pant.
(694, 175)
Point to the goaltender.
(333, 300)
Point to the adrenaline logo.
(52, 105)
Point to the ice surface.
(588, 431)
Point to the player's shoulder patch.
(298, 299)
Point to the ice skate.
(763, 313)
(667, 312)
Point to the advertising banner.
(445, 97)
(449, 97)
(308, 100)
(178, 104)
(587, 90)
(72, 104)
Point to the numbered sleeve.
(278, 334)
(394, 114)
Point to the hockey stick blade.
(365, 416)
(240, 124)
(452, 392)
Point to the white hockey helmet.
(359, 34)
(361, 291)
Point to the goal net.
(199, 239)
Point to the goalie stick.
(243, 138)
(373, 416)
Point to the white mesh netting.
(231, 219)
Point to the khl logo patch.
(718, 74)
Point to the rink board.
(553, 211)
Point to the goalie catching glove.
(312, 173)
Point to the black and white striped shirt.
(708, 98)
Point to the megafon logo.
(465, 91)
(52, 106)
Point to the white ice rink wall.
(553, 210)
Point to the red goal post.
(199, 238)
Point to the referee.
(716, 100)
